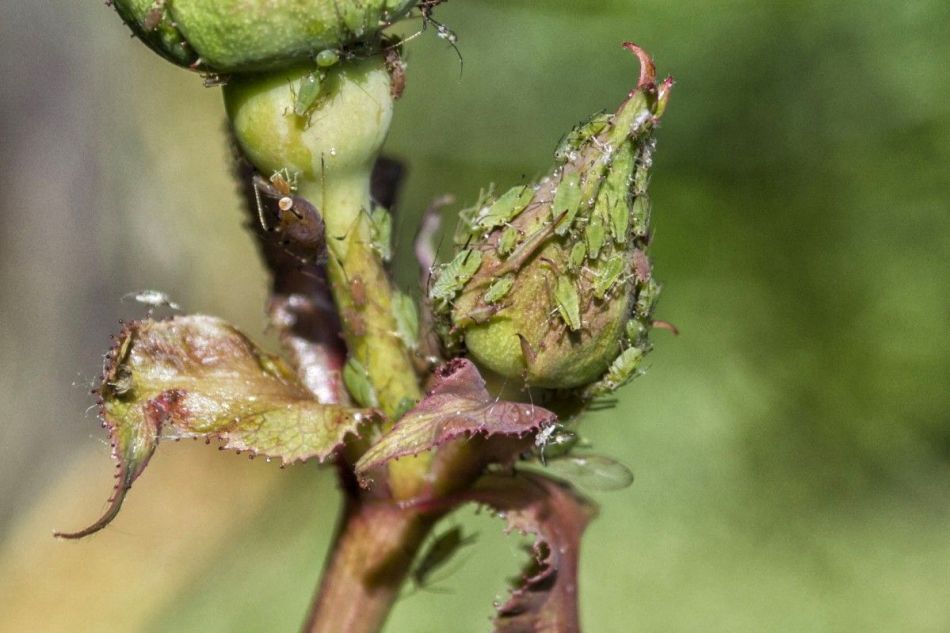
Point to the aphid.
(568, 303)
(646, 299)
(439, 552)
(554, 441)
(407, 319)
(454, 275)
(357, 382)
(608, 276)
(297, 223)
(619, 219)
(567, 202)
(507, 241)
(577, 256)
(397, 72)
(499, 289)
(641, 215)
(596, 472)
(305, 97)
(621, 371)
(381, 229)
(594, 235)
(505, 208)
(405, 405)
(574, 140)
(153, 298)
(358, 290)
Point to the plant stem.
(371, 556)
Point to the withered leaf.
(197, 376)
(458, 405)
(556, 515)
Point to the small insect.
(554, 441)
(439, 552)
(499, 289)
(153, 298)
(608, 276)
(505, 208)
(508, 241)
(578, 255)
(641, 215)
(594, 235)
(574, 140)
(568, 303)
(307, 93)
(357, 382)
(454, 275)
(358, 290)
(397, 72)
(567, 202)
(621, 371)
(619, 219)
(407, 319)
(295, 221)
(381, 229)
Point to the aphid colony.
(551, 282)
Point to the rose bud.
(551, 282)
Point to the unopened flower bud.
(548, 276)
(234, 36)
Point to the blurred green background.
(791, 447)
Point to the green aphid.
(646, 299)
(621, 371)
(578, 255)
(405, 405)
(505, 208)
(567, 202)
(619, 219)
(357, 382)
(640, 215)
(608, 276)
(467, 228)
(575, 139)
(594, 235)
(507, 241)
(499, 289)
(568, 303)
(327, 57)
(307, 93)
(636, 331)
(381, 232)
(454, 275)
(407, 319)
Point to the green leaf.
(198, 377)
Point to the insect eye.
(286, 203)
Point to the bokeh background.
(791, 447)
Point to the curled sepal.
(457, 405)
(556, 515)
(197, 376)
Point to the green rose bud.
(552, 282)
(234, 36)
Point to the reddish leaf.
(197, 376)
(546, 601)
(458, 405)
